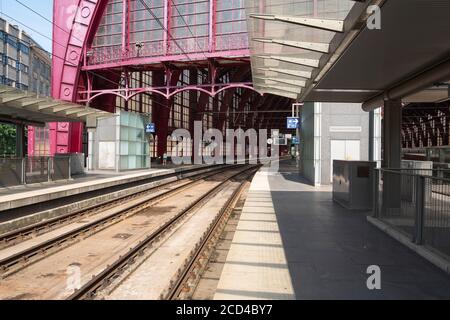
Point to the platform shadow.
(328, 249)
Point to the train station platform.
(28, 204)
(19, 196)
(293, 242)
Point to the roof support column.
(392, 134)
(20, 140)
(162, 107)
(160, 113)
(372, 136)
(76, 134)
(392, 147)
(193, 99)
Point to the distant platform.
(24, 195)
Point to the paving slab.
(293, 242)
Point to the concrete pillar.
(20, 141)
(377, 133)
(161, 109)
(392, 130)
(193, 99)
(91, 149)
(392, 155)
(193, 107)
(371, 136)
(318, 143)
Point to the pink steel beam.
(82, 24)
(129, 93)
(171, 88)
(194, 57)
(80, 18)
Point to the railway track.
(143, 200)
(185, 282)
(116, 269)
(97, 193)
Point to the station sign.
(150, 128)
(293, 123)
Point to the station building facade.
(166, 62)
(25, 65)
(337, 131)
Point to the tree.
(7, 140)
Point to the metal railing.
(159, 48)
(61, 168)
(37, 169)
(417, 203)
(29, 170)
(11, 172)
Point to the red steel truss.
(178, 61)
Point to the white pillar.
(318, 143)
(91, 144)
(375, 137)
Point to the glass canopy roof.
(31, 108)
(288, 39)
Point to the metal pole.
(296, 114)
(376, 193)
(420, 209)
(298, 138)
(372, 136)
(70, 167)
(49, 168)
(24, 173)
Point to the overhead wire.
(190, 30)
(90, 71)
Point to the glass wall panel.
(146, 26)
(134, 149)
(190, 26)
(107, 42)
(275, 30)
(231, 25)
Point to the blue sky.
(30, 19)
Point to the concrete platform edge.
(249, 275)
(22, 222)
(422, 251)
(22, 199)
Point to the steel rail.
(206, 242)
(103, 279)
(50, 224)
(93, 227)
